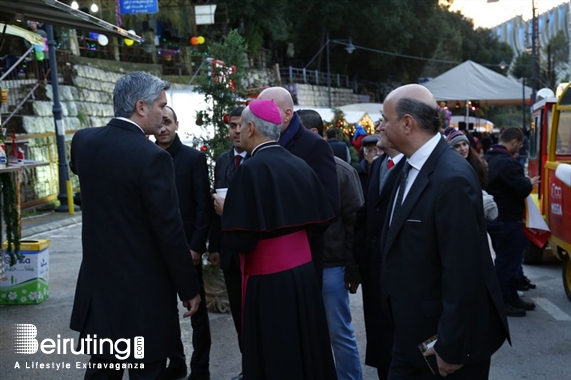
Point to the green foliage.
(521, 68)
(418, 28)
(557, 52)
(558, 48)
(216, 84)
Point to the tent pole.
(467, 113)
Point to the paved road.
(541, 341)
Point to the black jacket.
(133, 240)
(340, 149)
(223, 173)
(338, 249)
(507, 183)
(193, 188)
(436, 266)
(367, 251)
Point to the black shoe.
(529, 284)
(199, 376)
(514, 311)
(239, 377)
(519, 303)
(172, 373)
(521, 285)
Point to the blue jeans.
(509, 243)
(341, 333)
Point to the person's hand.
(352, 287)
(535, 180)
(191, 306)
(195, 257)
(218, 204)
(444, 368)
(214, 258)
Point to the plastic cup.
(222, 192)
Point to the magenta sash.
(274, 255)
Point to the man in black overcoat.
(438, 283)
(135, 255)
(193, 188)
(367, 251)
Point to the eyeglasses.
(371, 150)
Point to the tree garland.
(11, 217)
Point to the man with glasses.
(370, 152)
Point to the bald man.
(438, 283)
(315, 151)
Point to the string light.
(94, 8)
(74, 5)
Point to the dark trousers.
(233, 280)
(151, 371)
(383, 374)
(402, 370)
(201, 340)
(509, 242)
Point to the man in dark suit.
(135, 254)
(367, 251)
(193, 188)
(315, 151)
(220, 254)
(437, 279)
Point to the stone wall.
(88, 103)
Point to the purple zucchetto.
(266, 110)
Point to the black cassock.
(274, 201)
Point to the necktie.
(390, 163)
(237, 160)
(402, 188)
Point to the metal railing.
(20, 77)
(298, 75)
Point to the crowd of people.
(432, 234)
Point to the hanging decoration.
(445, 115)
(194, 40)
(128, 41)
(102, 39)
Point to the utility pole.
(63, 169)
(534, 53)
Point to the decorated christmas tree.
(221, 83)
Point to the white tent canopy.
(471, 81)
(370, 108)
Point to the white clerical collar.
(130, 121)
